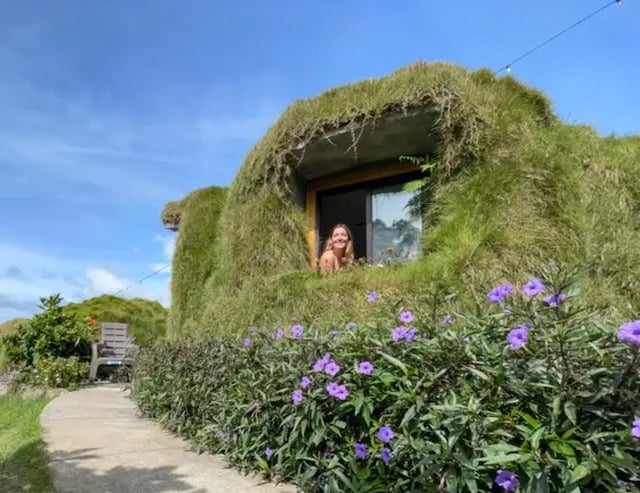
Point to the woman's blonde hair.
(348, 251)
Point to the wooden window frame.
(337, 181)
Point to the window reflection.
(396, 228)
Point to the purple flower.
(360, 450)
(352, 325)
(499, 293)
(296, 331)
(411, 334)
(246, 342)
(251, 330)
(373, 296)
(466, 340)
(446, 320)
(554, 300)
(398, 334)
(518, 337)
(322, 362)
(385, 434)
(635, 429)
(365, 368)
(327, 453)
(296, 397)
(630, 332)
(305, 382)
(279, 334)
(406, 317)
(332, 368)
(385, 455)
(340, 392)
(335, 334)
(533, 287)
(507, 480)
(268, 453)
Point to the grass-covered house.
(510, 187)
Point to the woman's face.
(339, 238)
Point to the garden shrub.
(530, 392)
(41, 347)
(59, 373)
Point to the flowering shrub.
(531, 393)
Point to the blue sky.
(110, 109)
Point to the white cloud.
(43, 274)
(101, 281)
(168, 249)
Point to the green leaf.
(562, 448)
(472, 485)
(531, 421)
(541, 484)
(501, 459)
(343, 479)
(570, 412)
(580, 472)
(308, 474)
(536, 436)
(479, 374)
(395, 362)
(363, 473)
(408, 416)
(556, 406)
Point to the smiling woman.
(338, 252)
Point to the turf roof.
(513, 188)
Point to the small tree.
(54, 333)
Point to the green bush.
(53, 333)
(59, 373)
(530, 386)
(4, 359)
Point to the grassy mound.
(513, 188)
(10, 326)
(147, 319)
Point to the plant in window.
(415, 206)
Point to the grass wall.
(514, 187)
(195, 257)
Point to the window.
(380, 215)
(395, 223)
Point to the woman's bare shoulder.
(327, 261)
(327, 255)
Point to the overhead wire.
(508, 66)
(141, 280)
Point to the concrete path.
(97, 443)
